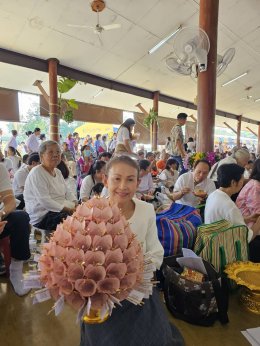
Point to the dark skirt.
(132, 325)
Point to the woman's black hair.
(64, 169)
(84, 147)
(96, 167)
(28, 133)
(190, 139)
(228, 172)
(127, 124)
(12, 149)
(171, 162)
(25, 158)
(104, 154)
(98, 135)
(42, 136)
(169, 139)
(37, 129)
(123, 159)
(33, 157)
(255, 174)
(202, 161)
(97, 188)
(144, 164)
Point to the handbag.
(200, 303)
(221, 243)
(177, 228)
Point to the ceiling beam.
(231, 128)
(18, 59)
(253, 132)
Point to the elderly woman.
(14, 224)
(47, 198)
(191, 187)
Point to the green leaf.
(72, 104)
(65, 84)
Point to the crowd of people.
(45, 185)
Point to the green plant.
(151, 117)
(66, 106)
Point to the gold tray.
(245, 274)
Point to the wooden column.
(258, 149)
(208, 21)
(239, 122)
(154, 126)
(53, 105)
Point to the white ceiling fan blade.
(81, 26)
(100, 38)
(112, 26)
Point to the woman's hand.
(2, 225)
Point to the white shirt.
(122, 135)
(19, 180)
(226, 160)
(86, 189)
(146, 230)
(16, 161)
(8, 164)
(11, 143)
(72, 187)
(167, 177)
(44, 192)
(187, 180)
(146, 183)
(219, 206)
(5, 183)
(32, 143)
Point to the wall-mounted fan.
(190, 48)
(97, 6)
(224, 60)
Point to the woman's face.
(144, 172)
(122, 182)
(10, 152)
(51, 157)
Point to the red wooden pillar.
(154, 126)
(208, 21)
(53, 104)
(239, 121)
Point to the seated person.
(140, 155)
(145, 188)
(84, 163)
(68, 155)
(47, 198)
(70, 182)
(15, 224)
(95, 176)
(151, 157)
(193, 187)
(248, 200)
(21, 175)
(12, 155)
(170, 174)
(220, 206)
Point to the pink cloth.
(248, 200)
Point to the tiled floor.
(24, 324)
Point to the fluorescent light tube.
(234, 79)
(257, 100)
(162, 42)
(98, 93)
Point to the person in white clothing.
(7, 163)
(33, 143)
(21, 175)
(239, 156)
(122, 175)
(12, 141)
(193, 187)
(124, 143)
(145, 186)
(16, 160)
(15, 224)
(95, 175)
(220, 206)
(70, 181)
(47, 198)
(170, 174)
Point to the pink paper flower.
(92, 254)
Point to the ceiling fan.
(97, 6)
